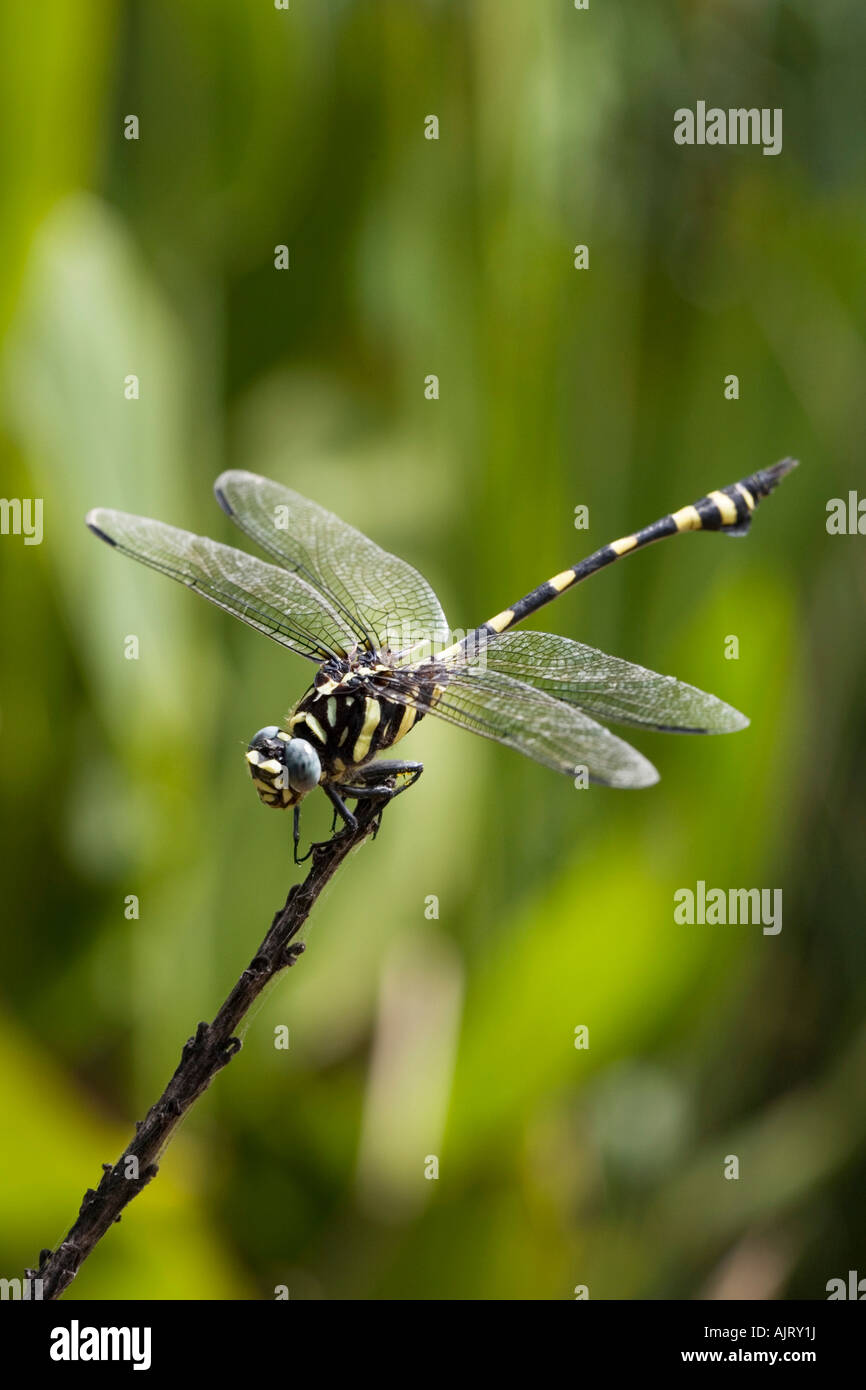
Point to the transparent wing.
(609, 688)
(384, 600)
(269, 599)
(530, 721)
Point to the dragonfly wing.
(607, 687)
(498, 707)
(384, 600)
(277, 603)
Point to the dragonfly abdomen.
(727, 509)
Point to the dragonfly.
(386, 658)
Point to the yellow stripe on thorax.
(312, 724)
(408, 719)
(372, 715)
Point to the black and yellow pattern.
(335, 597)
(349, 727)
(729, 509)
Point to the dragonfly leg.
(369, 785)
(296, 837)
(340, 807)
(369, 781)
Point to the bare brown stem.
(205, 1054)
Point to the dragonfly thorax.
(338, 727)
(348, 715)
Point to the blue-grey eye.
(270, 731)
(302, 764)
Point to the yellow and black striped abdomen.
(728, 509)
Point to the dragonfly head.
(283, 768)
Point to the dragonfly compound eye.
(263, 737)
(303, 766)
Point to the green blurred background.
(452, 1037)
